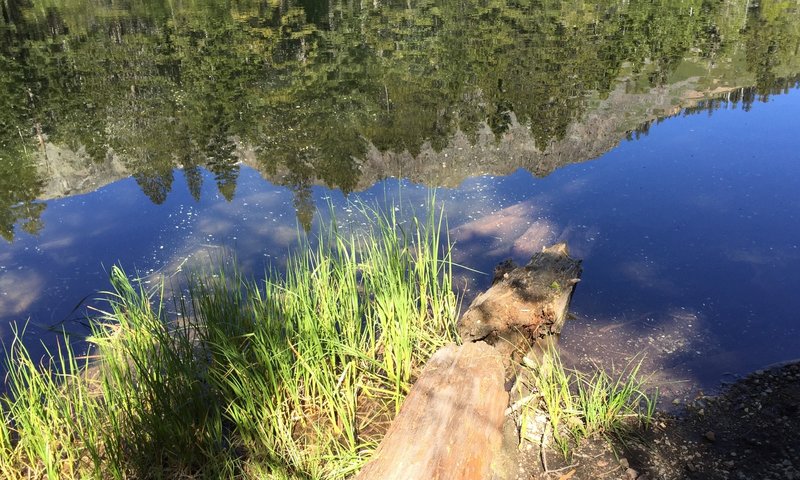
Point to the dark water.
(659, 139)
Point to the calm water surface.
(660, 140)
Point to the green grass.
(579, 405)
(293, 377)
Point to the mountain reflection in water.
(345, 94)
(153, 134)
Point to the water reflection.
(20, 290)
(689, 241)
(346, 94)
(52, 282)
(689, 236)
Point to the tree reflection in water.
(311, 87)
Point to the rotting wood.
(450, 424)
(524, 304)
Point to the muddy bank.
(748, 430)
(751, 429)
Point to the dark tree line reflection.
(311, 85)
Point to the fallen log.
(450, 424)
(524, 304)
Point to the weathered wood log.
(450, 424)
(524, 304)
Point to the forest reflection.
(306, 90)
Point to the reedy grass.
(292, 377)
(579, 405)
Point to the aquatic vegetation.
(296, 376)
(579, 405)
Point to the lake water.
(659, 140)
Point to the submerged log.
(450, 424)
(524, 304)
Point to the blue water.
(689, 237)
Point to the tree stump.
(524, 304)
(450, 424)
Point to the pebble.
(631, 473)
(710, 436)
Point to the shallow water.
(667, 158)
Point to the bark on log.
(524, 304)
(450, 424)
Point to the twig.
(543, 456)
(542, 452)
(560, 469)
(519, 404)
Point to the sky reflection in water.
(689, 236)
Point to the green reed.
(296, 376)
(579, 405)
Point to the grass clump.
(293, 377)
(579, 405)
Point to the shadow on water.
(687, 259)
(688, 241)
